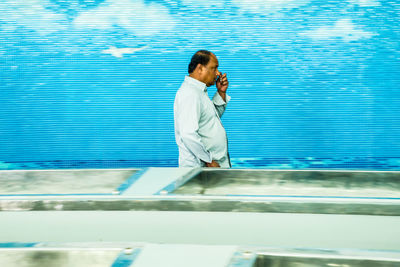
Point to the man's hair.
(200, 57)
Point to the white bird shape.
(119, 52)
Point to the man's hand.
(213, 164)
(222, 83)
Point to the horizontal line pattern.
(308, 79)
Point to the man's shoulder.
(187, 89)
(187, 95)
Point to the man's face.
(210, 72)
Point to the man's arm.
(220, 104)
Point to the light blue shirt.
(199, 133)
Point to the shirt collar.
(196, 83)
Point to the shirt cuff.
(217, 99)
(211, 158)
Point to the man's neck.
(194, 76)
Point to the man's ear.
(200, 67)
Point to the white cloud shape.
(343, 28)
(204, 4)
(119, 52)
(365, 3)
(134, 16)
(268, 6)
(32, 14)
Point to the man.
(199, 133)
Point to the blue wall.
(308, 78)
